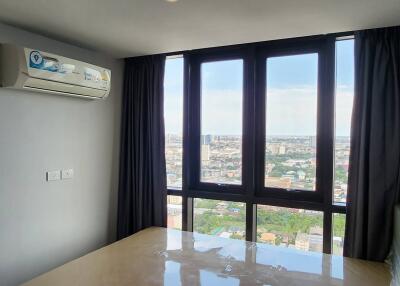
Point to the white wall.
(45, 224)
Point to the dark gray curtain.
(375, 147)
(142, 182)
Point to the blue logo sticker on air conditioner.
(35, 60)
(38, 61)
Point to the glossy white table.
(158, 256)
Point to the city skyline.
(290, 162)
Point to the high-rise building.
(205, 152)
(206, 139)
(313, 141)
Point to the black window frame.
(325, 111)
(252, 191)
(194, 121)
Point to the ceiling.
(125, 28)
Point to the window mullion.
(326, 135)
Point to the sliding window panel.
(173, 117)
(291, 122)
(221, 122)
(294, 120)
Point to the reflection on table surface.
(158, 256)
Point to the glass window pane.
(292, 228)
(221, 218)
(291, 122)
(173, 116)
(338, 224)
(343, 110)
(221, 122)
(174, 209)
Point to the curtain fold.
(142, 190)
(373, 186)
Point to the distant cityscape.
(173, 159)
(221, 159)
(290, 164)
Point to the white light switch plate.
(53, 175)
(67, 174)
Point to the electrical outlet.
(67, 174)
(53, 175)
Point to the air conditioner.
(24, 68)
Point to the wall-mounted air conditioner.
(24, 68)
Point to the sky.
(291, 94)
